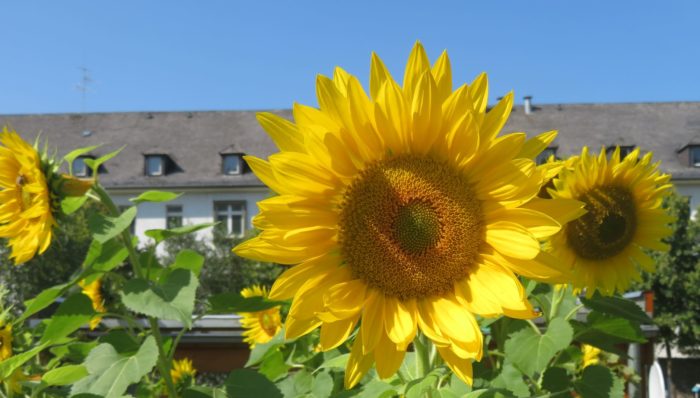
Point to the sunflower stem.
(557, 296)
(422, 350)
(164, 362)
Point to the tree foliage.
(676, 282)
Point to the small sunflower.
(182, 370)
(624, 216)
(591, 355)
(93, 291)
(261, 326)
(5, 342)
(404, 209)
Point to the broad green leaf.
(376, 388)
(273, 365)
(75, 351)
(599, 382)
(71, 204)
(226, 303)
(41, 301)
(73, 313)
(95, 163)
(246, 383)
(423, 387)
(155, 196)
(204, 392)
(189, 259)
(8, 366)
(110, 373)
(171, 298)
(65, 375)
(160, 235)
(257, 354)
(511, 379)
(604, 331)
(105, 228)
(322, 385)
(617, 306)
(338, 362)
(105, 256)
(531, 351)
(556, 379)
(122, 341)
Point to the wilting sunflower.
(5, 342)
(182, 370)
(26, 217)
(624, 215)
(261, 326)
(404, 209)
(93, 291)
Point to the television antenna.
(84, 86)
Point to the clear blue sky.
(150, 55)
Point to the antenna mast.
(83, 86)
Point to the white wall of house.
(690, 189)
(197, 208)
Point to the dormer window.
(155, 165)
(231, 164)
(546, 154)
(80, 168)
(695, 155)
(624, 150)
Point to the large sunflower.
(403, 209)
(624, 215)
(261, 326)
(26, 219)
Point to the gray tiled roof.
(195, 140)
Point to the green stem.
(557, 296)
(573, 312)
(163, 359)
(422, 351)
(533, 326)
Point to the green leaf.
(65, 375)
(74, 154)
(73, 313)
(511, 379)
(105, 228)
(617, 306)
(95, 163)
(423, 387)
(257, 354)
(41, 301)
(246, 383)
(155, 196)
(556, 379)
(226, 303)
(204, 392)
(604, 331)
(376, 388)
(598, 382)
(71, 204)
(110, 373)
(273, 365)
(122, 341)
(172, 298)
(105, 256)
(338, 362)
(8, 366)
(322, 385)
(160, 235)
(189, 259)
(531, 351)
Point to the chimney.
(527, 104)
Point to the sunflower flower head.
(403, 210)
(5, 341)
(623, 198)
(93, 291)
(183, 371)
(30, 195)
(591, 355)
(261, 326)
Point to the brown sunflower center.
(268, 323)
(26, 196)
(410, 226)
(609, 225)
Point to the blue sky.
(210, 55)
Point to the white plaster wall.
(691, 189)
(197, 208)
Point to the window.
(80, 169)
(695, 156)
(132, 226)
(544, 155)
(155, 165)
(231, 164)
(231, 217)
(173, 216)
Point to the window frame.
(174, 210)
(694, 155)
(228, 226)
(239, 164)
(87, 171)
(147, 164)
